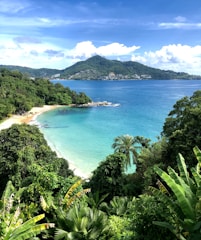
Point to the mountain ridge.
(100, 68)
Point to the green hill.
(32, 72)
(100, 68)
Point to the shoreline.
(27, 117)
(77, 171)
(30, 118)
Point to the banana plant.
(12, 224)
(26, 230)
(186, 200)
(74, 193)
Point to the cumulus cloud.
(29, 52)
(177, 57)
(83, 49)
(33, 53)
(87, 49)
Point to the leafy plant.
(82, 222)
(12, 224)
(186, 199)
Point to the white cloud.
(179, 22)
(83, 49)
(87, 49)
(182, 25)
(116, 49)
(35, 53)
(180, 58)
(180, 19)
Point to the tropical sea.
(84, 136)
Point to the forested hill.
(32, 72)
(100, 68)
(18, 93)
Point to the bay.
(84, 136)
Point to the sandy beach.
(29, 118)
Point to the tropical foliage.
(25, 158)
(186, 203)
(160, 200)
(143, 211)
(107, 178)
(130, 146)
(20, 93)
(82, 222)
(12, 226)
(182, 129)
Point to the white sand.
(9, 122)
(27, 117)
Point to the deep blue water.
(84, 136)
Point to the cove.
(84, 136)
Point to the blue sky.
(56, 34)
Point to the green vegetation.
(129, 146)
(19, 93)
(31, 72)
(12, 226)
(182, 129)
(186, 204)
(42, 199)
(98, 67)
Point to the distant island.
(100, 68)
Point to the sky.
(164, 34)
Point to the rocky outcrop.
(98, 104)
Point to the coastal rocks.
(98, 104)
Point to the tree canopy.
(19, 93)
(161, 200)
(24, 153)
(182, 129)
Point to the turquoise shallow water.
(84, 135)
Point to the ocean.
(84, 136)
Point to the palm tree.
(130, 146)
(119, 206)
(144, 142)
(125, 145)
(81, 222)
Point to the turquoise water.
(84, 135)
